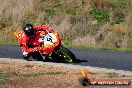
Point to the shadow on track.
(80, 61)
(77, 61)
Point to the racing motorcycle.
(52, 48)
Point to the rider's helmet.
(28, 29)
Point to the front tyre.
(66, 55)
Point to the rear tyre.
(26, 57)
(37, 56)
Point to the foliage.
(118, 18)
(119, 11)
(100, 14)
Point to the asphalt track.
(117, 60)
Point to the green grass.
(5, 42)
(38, 74)
(99, 14)
(6, 76)
(98, 48)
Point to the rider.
(28, 40)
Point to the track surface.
(95, 58)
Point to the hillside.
(81, 23)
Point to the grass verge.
(99, 48)
(6, 76)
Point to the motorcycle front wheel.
(66, 55)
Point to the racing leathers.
(30, 45)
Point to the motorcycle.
(52, 48)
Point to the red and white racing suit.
(31, 44)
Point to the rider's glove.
(25, 54)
